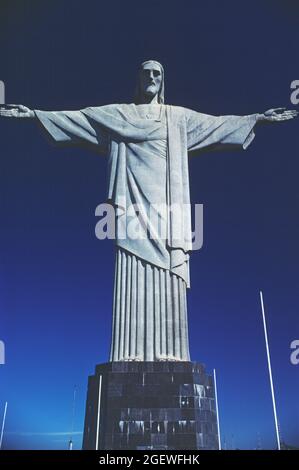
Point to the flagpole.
(270, 371)
(3, 424)
(217, 410)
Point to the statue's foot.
(169, 358)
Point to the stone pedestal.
(150, 405)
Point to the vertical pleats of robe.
(149, 312)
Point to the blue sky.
(56, 278)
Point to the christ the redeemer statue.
(147, 144)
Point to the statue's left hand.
(277, 115)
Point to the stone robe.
(148, 176)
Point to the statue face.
(150, 79)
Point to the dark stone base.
(150, 405)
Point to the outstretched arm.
(64, 127)
(207, 132)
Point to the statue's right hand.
(16, 111)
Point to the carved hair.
(138, 92)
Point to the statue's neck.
(149, 99)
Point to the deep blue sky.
(56, 278)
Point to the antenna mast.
(217, 410)
(270, 372)
(3, 424)
(73, 419)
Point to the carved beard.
(139, 94)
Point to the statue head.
(150, 83)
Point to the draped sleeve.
(207, 132)
(74, 128)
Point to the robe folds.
(148, 177)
